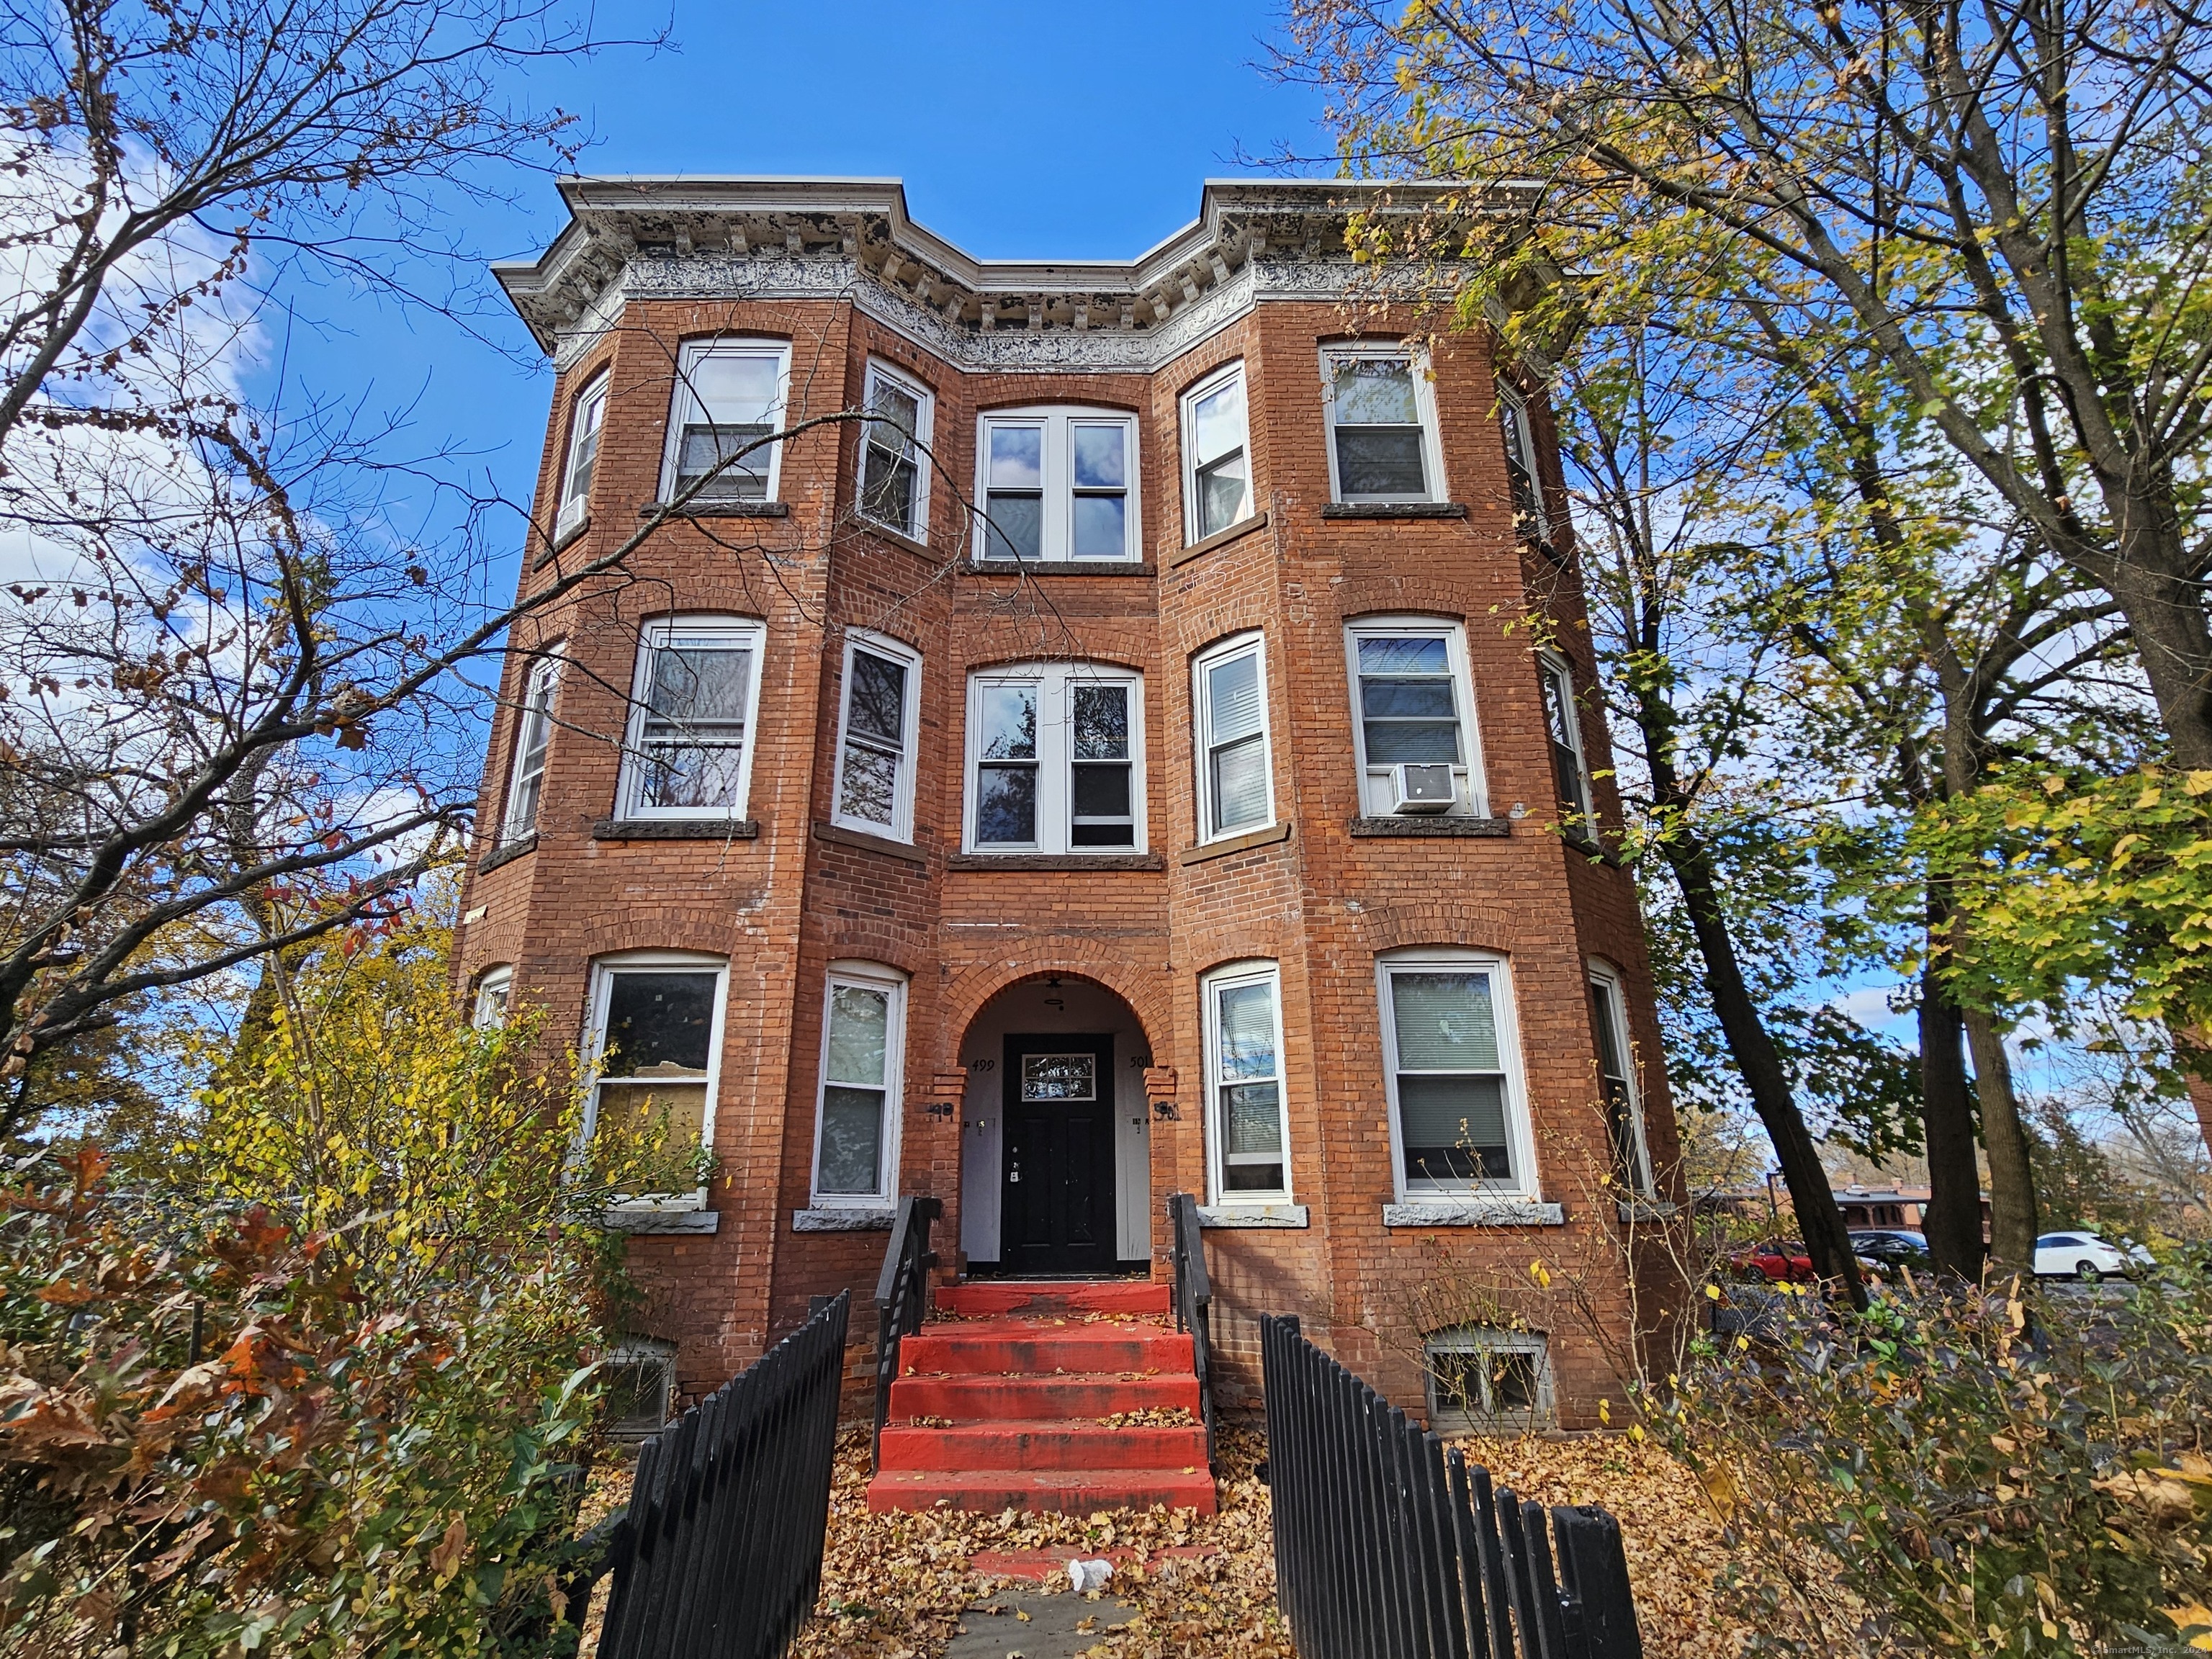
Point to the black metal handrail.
(1194, 1300)
(1389, 1546)
(902, 1298)
(720, 1551)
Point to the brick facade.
(980, 943)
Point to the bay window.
(688, 753)
(582, 459)
(534, 735)
(1382, 423)
(1414, 731)
(1623, 1108)
(1217, 473)
(1236, 785)
(1529, 518)
(874, 787)
(856, 1129)
(894, 452)
(653, 1047)
(729, 397)
(1247, 1133)
(1458, 1122)
(1563, 724)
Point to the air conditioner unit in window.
(570, 519)
(1422, 788)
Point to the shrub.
(1966, 1474)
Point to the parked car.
(2084, 1255)
(1776, 1260)
(1881, 1253)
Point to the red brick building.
(1124, 764)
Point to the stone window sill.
(506, 855)
(898, 539)
(1645, 1209)
(1394, 510)
(838, 836)
(561, 539)
(1056, 862)
(718, 510)
(856, 1220)
(1058, 568)
(1235, 532)
(1474, 1213)
(1222, 849)
(676, 829)
(1437, 824)
(1253, 1215)
(655, 1218)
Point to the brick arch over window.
(705, 929)
(1146, 991)
(1128, 662)
(909, 949)
(1473, 926)
(1413, 594)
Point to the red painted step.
(998, 1405)
(985, 1298)
(1046, 1446)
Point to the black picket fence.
(718, 1555)
(1390, 1546)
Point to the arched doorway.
(1055, 1165)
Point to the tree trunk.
(2013, 1216)
(2166, 618)
(1953, 1221)
(1819, 1221)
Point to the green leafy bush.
(1968, 1474)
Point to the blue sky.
(1020, 129)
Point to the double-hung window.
(1236, 785)
(876, 740)
(894, 452)
(1458, 1123)
(495, 990)
(534, 735)
(1217, 476)
(856, 1127)
(583, 460)
(1055, 760)
(1624, 1110)
(1381, 421)
(729, 399)
(655, 1047)
(1529, 518)
(689, 750)
(1057, 484)
(1247, 1132)
(1563, 724)
(1414, 717)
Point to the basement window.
(638, 1379)
(1483, 1378)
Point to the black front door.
(1057, 1212)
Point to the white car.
(2084, 1255)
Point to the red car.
(1779, 1263)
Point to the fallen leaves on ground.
(1152, 1417)
(1669, 1531)
(893, 1586)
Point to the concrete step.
(987, 1491)
(983, 1298)
(1001, 1399)
(1039, 1348)
(1080, 1446)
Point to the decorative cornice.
(850, 238)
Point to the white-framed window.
(729, 396)
(1056, 759)
(1235, 770)
(856, 1120)
(654, 1045)
(1483, 1377)
(688, 753)
(534, 735)
(639, 1374)
(875, 736)
(1521, 474)
(582, 459)
(894, 451)
(1217, 470)
(1412, 705)
(1451, 1061)
(495, 990)
(1616, 1076)
(1381, 413)
(1247, 1119)
(1057, 483)
(1563, 724)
